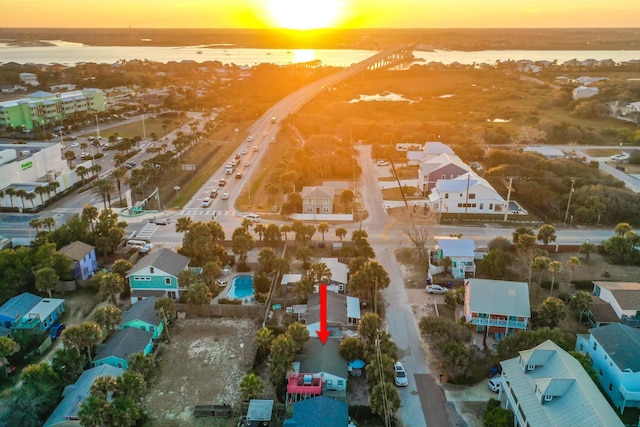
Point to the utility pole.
(566, 214)
(506, 211)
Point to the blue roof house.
(143, 315)
(319, 411)
(121, 346)
(42, 315)
(157, 275)
(614, 350)
(17, 307)
(74, 395)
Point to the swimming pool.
(241, 287)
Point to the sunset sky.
(304, 14)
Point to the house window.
(120, 365)
(595, 345)
(581, 347)
(600, 372)
(481, 206)
(547, 398)
(167, 280)
(472, 195)
(443, 176)
(151, 270)
(340, 384)
(490, 206)
(610, 387)
(446, 195)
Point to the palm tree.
(260, 230)
(118, 174)
(183, 224)
(540, 265)
(36, 223)
(251, 386)
(319, 272)
(31, 197)
(546, 234)
(82, 172)
(103, 188)
(111, 284)
(572, 263)
(90, 213)
(285, 229)
(95, 169)
(555, 267)
(587, 248)
(49, 222)
(10, 192)
(323, 227)
(341, 232)
(21, 193)
(54, 185)
(40, 190)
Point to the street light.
(566, 214)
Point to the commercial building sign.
(27, 165)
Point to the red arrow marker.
(323, 333)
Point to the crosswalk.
(147, 231)
(205, 212)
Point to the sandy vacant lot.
(202, 365)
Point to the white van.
(134, 242)
(253, 217)
(495, 384)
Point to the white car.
(247, 164)
(619, 157)
(244, 151)
(206, 202)
(256, 148)
(495, 384)
(253, 217)
(435, 289)
(250, 138)
(74, 145)
(382, 163)
(224, 196)
(401, 379)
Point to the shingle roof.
(336, 308)
(163, 259)
(317, 192)
(627, 294)
(76, 250)
(124, 343)
(576, 402)
(75, 394)
(499, 297)
(142, 310)
(316, 358)
(602, 311)
(621, 343)
(432, 164)
(319, 411)
(19, 305)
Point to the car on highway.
(252, 217)
(244, 151)
(222, 182)
(400, 379)
(435, 289)
(74, 145)
(382, 163)
(213, 194)
(239, 175)
(250, 138)
(84, 155)
(247, 164)
(619, 157)
(256, 148)
(224, 196)
(206, 202)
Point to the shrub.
(243, 268)
(232, 301)
(583, 285)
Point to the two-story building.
(343, 313)
(339, 273)
(461, 252)
(465, 194)
(157, 275)
(497, 306)
(83, 257)
(319, 370)
(614, 350)
(42, 315)
(444, 166)
(17, 307)
(546, 386)
(317, 200)
(624, 299)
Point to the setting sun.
(304, 14)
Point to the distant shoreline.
(371, 39)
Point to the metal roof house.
(461, 252)
(319, 411)
(42, 315)
(157, 274)
(546, 386)
(16, 307)
(614, 350)
(497, 306)
(339, 273)
(343, 312)
(624, 298)
(143, 315)
(121, 346)
(66, 413)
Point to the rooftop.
(622, 344)
(498, 297)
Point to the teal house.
(157, 275)
(121, 346)
(143, 315)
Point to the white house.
(624, 299)
(464, 194)
(584, 92)
(318, 200)
(461, 252)
(441, 166)
(339, 273)
(29, 79)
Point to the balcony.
(633, 321)
(27, 323)
(307, 384)
(629, 395)
(503, 323)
